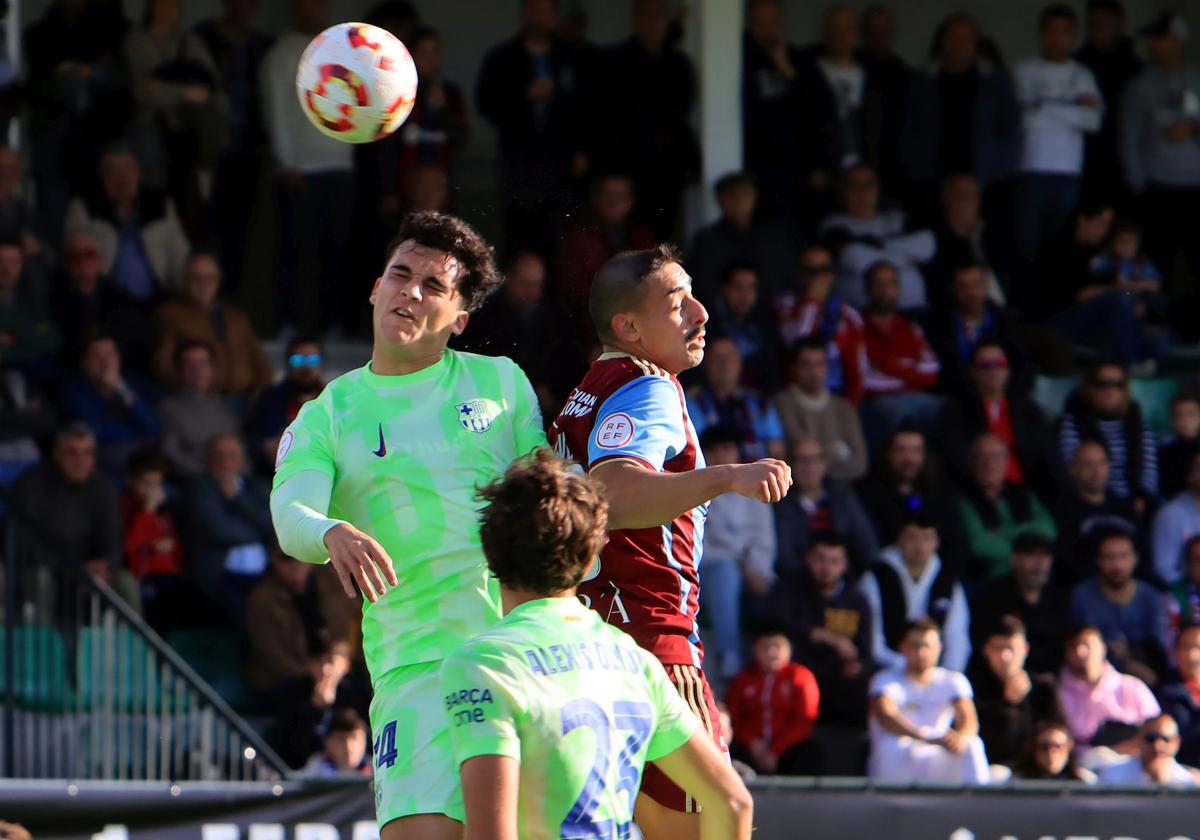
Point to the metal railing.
(89, 691)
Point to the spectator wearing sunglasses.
(1102, 410)
(989, 404)
(812, 309)
(241, 367)
(1049, 755)
(278, 405)
(1155, 763)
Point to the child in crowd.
(1175, 453)
(773, 705)
(345, 747)
(1122, 261)
(153, 552)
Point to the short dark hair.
(919, 518)
(922, 624)
(1006, 627)
(814, 342)
(987, 344)
(1032, 542)
(444, 232)
(1057, 10)
(730, 180)
(828, 539)
(1186, 627)
(768, 628)
(423, 33)
(969, 265)
(619, 284)
(300, 339)
(144, 459)
(1079, 629)
(1102, 535)
(1186, 550)
(1185, 396)
(876, 266)
(346, 720)
(92, 335)
(1112, 6)
(188, 345)
(718, 434)
(736, 266)
(542, 525)
(9, 241)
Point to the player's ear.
(624, 327)
(460, 322)
(374, 291)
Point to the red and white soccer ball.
(356, 82)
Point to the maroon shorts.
(691, 684)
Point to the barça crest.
(475, 416)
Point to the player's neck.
(510, 599)
(392, 361)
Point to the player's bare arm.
(892, 719)
(642, 498)
(490, 785)
(697, 767)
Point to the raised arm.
(639, 497)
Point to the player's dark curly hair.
(457, 238)
(543, 524)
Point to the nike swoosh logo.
(382, 450)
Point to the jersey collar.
(563, 607)
(435, 370)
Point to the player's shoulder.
(482, 369)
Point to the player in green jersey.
(378, 475)
(553, 712)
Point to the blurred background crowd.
(959, 296)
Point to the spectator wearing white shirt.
(1176, 523)
(1155, 763)
(910, 581)
(1060, 103)
(923, 722)
(739, 551)
(316, 180)
(866, 235)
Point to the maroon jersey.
(647, 579)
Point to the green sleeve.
(298, 508)
(307, 444)
(527, 415)
(1040, 519)
(481, 704)
(992, 547)
(676, 722)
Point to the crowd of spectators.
(906, 252)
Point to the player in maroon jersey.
(627, 424)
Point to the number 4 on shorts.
(385, 746)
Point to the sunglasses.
(1046, 746)
(1108, 383)
(299, 360)
(1156, 737)
(992, 364)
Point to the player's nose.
(700, 316)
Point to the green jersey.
(405, 455)
(577, 703)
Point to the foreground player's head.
(543, 524)
(439, 270)
(642, 304)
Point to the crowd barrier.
(784, 809)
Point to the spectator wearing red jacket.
(773, 705)
(811, 309)
(901, 367)
(152, 550)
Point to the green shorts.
(414, 762)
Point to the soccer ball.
(356, 82)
